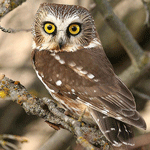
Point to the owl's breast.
(47, 66)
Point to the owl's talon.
(80, 118)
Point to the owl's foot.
(80, 118)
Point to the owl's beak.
(61, 43)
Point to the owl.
(69, 59)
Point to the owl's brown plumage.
(69, 59)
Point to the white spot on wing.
(62, 61)
(72, 64)
(72, 90)
(57, 57)
(125, 143)
(117, 144)
(79, 67)
(119, 118)
(58, 83)
(91, 76)
(96, 80)
(83, 72)
(104, 117)
(107, 131)
(112, 129)
(52, 54)
(105, 111)
(87, 104)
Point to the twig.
(48, 109)
(10, 30)
(146, 4)
(63, 139)
(140, 94)
(8, 145)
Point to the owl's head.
(63, 28)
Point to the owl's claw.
(80, 118)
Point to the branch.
(146, 4)
(8, 145)
(63, 142)
(140, 59)
(47, 109)
(10, 30)
(8, 5)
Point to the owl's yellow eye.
(49, 28)
(74, 28)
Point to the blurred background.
(15, 63)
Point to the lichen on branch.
(87, 135)
(8, 5)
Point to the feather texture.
(78, 74)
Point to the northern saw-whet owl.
(70, 61)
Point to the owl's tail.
(115, 131)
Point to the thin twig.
(146, 4)
(61, 140)
(140, 94)
(10, 30)
(8, 145)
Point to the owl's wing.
(87, 75)
(115, 131)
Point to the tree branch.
(8, 5)
(140, 59)
(47, 109)
(146, 4)
(10, 30)
(63, 142)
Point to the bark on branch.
(8, 5)
(47, 109)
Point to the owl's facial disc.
(64, 28)
(61, 35)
